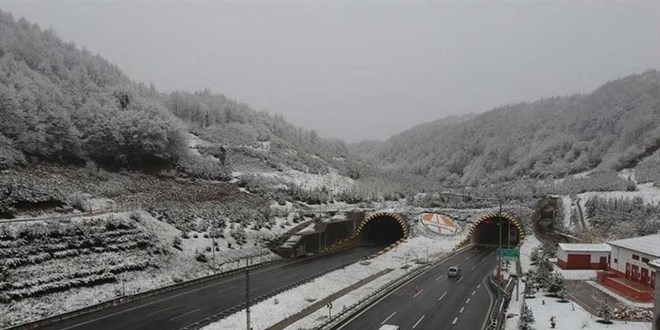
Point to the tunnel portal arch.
(488, 230)
(382, 228)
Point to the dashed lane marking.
(455, 319)
(161, 310)
(459, 280)
(473, 292)
(473, 267)
(420, 320)
(478, 286)
(468, 300)
(439, 277)
(389, 317)
(416, 294)
(443, 295)
(184, 314)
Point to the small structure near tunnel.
(583, 256)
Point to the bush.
(201, 257)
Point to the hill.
(615, 127)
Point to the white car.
(454, 271)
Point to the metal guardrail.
(345, 314)
(235, 309)
(126, 299)
(501, 303)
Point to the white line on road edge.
(443, 295)
(416, 294)
(420, 320)
(184, 314)
(439, 277)
(467, 301)
(462, 309)
(389, 317)
(459, 280)
(455, 319)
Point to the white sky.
(364, 70)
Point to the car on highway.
(454, 271)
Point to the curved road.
(433, 301)
(185, 306)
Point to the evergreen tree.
(526, 318)
(605, 312)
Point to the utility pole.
(247, 294)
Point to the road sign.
(509, 253)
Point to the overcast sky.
(364, 70)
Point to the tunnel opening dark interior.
(381, 230)
(496, 231)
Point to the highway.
(185, 306)
(433, 301)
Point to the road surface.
(185, 306)
(433, 301)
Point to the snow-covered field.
(648, 192)
(281, 306)
(332, 181)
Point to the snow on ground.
(649, 193)
(571, 316)
(576, 274)
(288, 303)
(567, 315)
(333, 181)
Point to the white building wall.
(595, 255)
(623, 255)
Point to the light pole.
(247, 294)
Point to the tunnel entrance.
(382, 229)
(496, 229)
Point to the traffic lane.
(453, 307)
(205, 296)
(436, 308)
(401, 305)
(478, 304)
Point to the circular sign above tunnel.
(439, 223)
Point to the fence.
(501, 303)
(135, 297)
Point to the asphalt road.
(433, 301)
(185, 306)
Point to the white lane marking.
(420, 320)
(441, 264)
(473, 292)
(161, 310)
(184, 314)
(478, 286)
(468, 258)
(443, 295)
(467, 301)
(257, 288)
(439, 277)
(462, 309)
(459, 280)
(473, 267)
(389, 317)
(416, 294)
(455, 319)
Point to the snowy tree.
(526, 318)
(605, 312)
(555, 283)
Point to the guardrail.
(501, 303)
(130, 298)
(342, 316)
(235, 309)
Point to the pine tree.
(605, 312)
(555, 283)
(526, 318)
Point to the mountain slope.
(613, 127)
